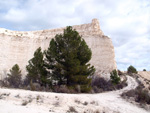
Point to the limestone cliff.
(17, 47)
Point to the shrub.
(99, 84)
(144, 69)
(143, 96)
(131, 69)
(72, 109)
(85, 103)
(25, 103)
(140, 95)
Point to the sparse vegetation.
(139, 94)
(38, 97)
(72, 110)
(85, 103)
(77, 101)
(99, 84)
(56, 104)
(94, 103)
(24, 103)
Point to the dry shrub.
(25, 103)
(61, 89)
(72, 109)
(56, 104)
(139, 94)
(77, 101)
(66, 89)
(130, 93)
(99, 85)
(85, 103)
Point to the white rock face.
(17, 47)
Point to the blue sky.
(126, 22)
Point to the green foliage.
(14, 78)
(68, 56)
(131, 69)
(115, 79)
(36, 70)
(144, 69)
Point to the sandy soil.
(22, 101)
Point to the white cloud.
(15, 15)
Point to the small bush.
(77, 101)
(131, 69)
(25, 103)
(97, 111)
(144, 69)
(72, 109)
(94, 103)
(85, 103)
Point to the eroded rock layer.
(17, 47)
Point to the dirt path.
(44, 102)
(113, 101)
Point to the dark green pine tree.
(67, 57)
(115, 79)
(131, 69)
(36, 70)
(14, 78)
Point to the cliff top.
(92, 28)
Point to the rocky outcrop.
(17, 47)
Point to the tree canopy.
(67, 59)
(115, 79)
(14, 78)
(35, 68)
(131, 69)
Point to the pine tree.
(131, 69)
(14, 78)
(36, 70)
(114, 77)
(67, 57)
